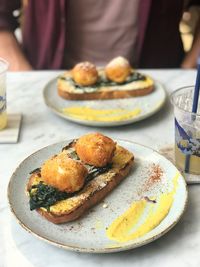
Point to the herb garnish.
(42, 195)
(94, 171)
(103, 81)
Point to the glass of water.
(3, 114)
(187, 131)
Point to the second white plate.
(105, 112)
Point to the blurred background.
(187, 26)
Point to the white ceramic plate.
(88, 234)
(144, 106)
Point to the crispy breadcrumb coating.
(118, 70)
(95, 149)
(64, 173)
(85, 74)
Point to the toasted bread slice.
(136, 85)
(92, 193)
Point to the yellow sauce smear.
(141, 217)
(91, 114)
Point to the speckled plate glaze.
(88, 234)
(148, 105)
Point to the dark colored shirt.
(44, 31)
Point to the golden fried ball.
(85, 74)
(64, 173)
(95, 149)
(118, 69)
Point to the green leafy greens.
(42, 195)
(103, 81)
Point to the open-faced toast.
(135, 85)
(116, 80)
(99, 182)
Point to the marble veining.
(40, 127)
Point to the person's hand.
(189, 62)
(18, 63)
(11, 51)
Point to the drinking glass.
(187, 131)
(3, 113)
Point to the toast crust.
(136, 88)
(104, 95)
(97, 189)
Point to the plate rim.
(99, 123)
(93, 250)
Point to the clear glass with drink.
(187, 131)
(3, 114)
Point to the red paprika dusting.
(155, 176)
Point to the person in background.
(57, 34)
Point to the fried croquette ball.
(64, 173)
(95, 149)
(85, 74)
(118, 70)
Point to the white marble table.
(180, 247)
